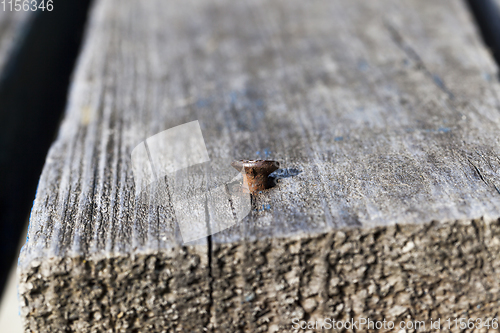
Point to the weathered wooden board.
(390, 111)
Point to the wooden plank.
(388, 109)
(398, 86)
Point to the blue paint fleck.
(362, 65)
(234, 96)
(438, 81)
(285, 173)
(339, 138)
(487, 77)
(249, 297)
(202, 103)
(264, 207)
(444, 129)
(264, 154)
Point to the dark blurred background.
(33, 93)
(487, 15)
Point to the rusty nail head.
(256, 173)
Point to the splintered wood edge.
(399, 273)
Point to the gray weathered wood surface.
(390, 109)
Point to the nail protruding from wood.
(256, 173)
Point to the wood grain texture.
(389, 109)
